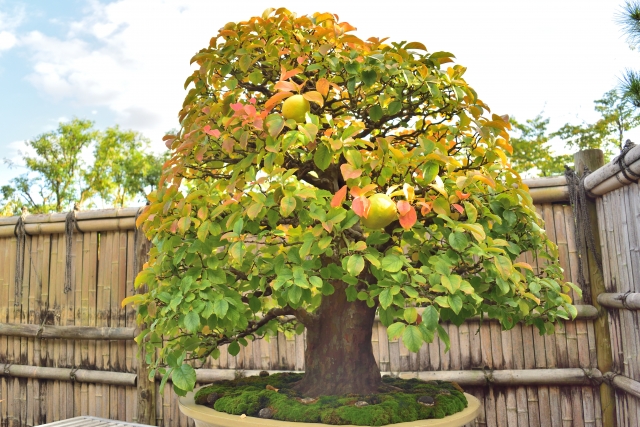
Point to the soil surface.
(271, 396)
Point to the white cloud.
(132, 56)
(7, 40)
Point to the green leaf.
(375, 113)
(455, 302)
(444, 337)
(410, 314)
(503, 265)
(386, 316)
(254, 304)
(294, 293)
(316, 282)
(458, 241)
(355, 264)
(287, 205)
(412, 338)
(471, 211)
(369, 77)
(391, 263)
(395, 330)
(322, 157)
(430, 317)
(430, 171)
(192, 321)
(234, 348)
(385, 298)
(394, 107)
(220, 308)
(184, 377)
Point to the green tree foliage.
(58, 176)
(270, 221)
(532, 151)
(629, 20)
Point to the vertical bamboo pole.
(594, 159)
(4, 317)
(383, 341)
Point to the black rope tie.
(21, 239)
(70, 224)
(628, 174)
(582, 225)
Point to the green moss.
(249, 395)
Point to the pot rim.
(189, 408)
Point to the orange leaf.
(361, 206)
(403, 207)
(227, 145)
(314, 96)
(287, 86)
(349, 171)
(458, 207)
(407, 220)
(415, 45)
(426, 207)
(284, 74)
(461, 195)
(322, 85)
(339, 197)
(275, 99)
(350, 38)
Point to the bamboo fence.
(83, 337)
(619, 226)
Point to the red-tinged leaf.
(287, 86)
(227, 145)
(325, 48)
(403, 207)
(284, 74)
(425, 207)
(461, 195)
(206, 110)
(276, 99)
(458, 207)
(301, 59)
(339, 197)
(407, 220)
(361, 206)
(202, 213)
(253, 101)
(322, 86)
(237, 106)
(349, 172)
(314, 96)
(250, 110)
(200, 154)
(327, 226)
(213, 132)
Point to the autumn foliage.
(257, 224)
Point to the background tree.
(259, 216)
(58, 176)
(629, 20)
(532, 151)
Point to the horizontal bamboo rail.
(67, 374)
(505, 377)
(623, 383)
(610, 177)
(66, 332)
(90, 225)
(630, 300)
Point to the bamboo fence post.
(146, 388)
(594, 159)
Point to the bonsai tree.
(319, 180)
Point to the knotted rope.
(581, 225)
(70, 223)
(630, 175)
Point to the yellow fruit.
(295, 108)
(382, 211)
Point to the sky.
(124, 62)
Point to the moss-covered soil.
(398, 401)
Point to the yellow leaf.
(523, 265)
(133, 299)
(316, 97)
(532, 297)
(487, 180)
(476, 230)
(396, 153)
(415, 45)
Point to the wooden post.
(146, 387)
(593, 160)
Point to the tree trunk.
(339, 356)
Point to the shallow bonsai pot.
(207, 417)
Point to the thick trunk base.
(339, 356)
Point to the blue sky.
(124, 61)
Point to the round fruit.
(382, 212)
(295, 108)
